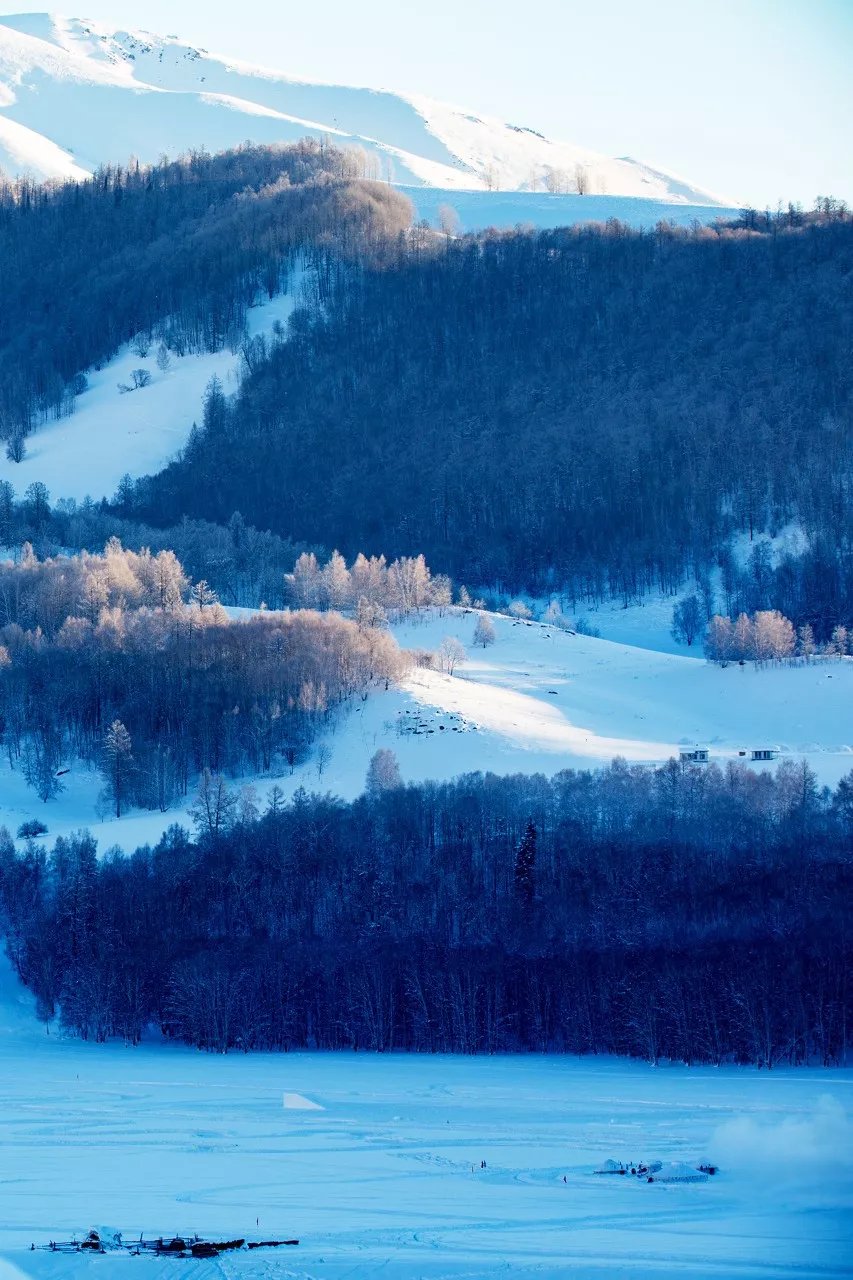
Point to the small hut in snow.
(694, 755)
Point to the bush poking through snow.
(138, 378)
(687, 619)
(31, 829)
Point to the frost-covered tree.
(370, 615)
(840, 642)
(409, 581)
(203, 594)
(306, 581)
(448, 221)
(719, 639)
(553, 615)
(336, 582)
(743, 638)
(451, 653)
(774, 636)
(248, 805)
(484, 631)
(767, 636)
(806, 646)
(383, 772)
(370, 578)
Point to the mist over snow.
(814, 1143)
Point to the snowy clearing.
(537, 701)
(111, 434)
(386, 1179)
(476, 210)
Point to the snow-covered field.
(541, 699)
(381, 1176)
(476, 210)
(538, 700)
(111, 434)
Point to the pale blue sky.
(750, 98)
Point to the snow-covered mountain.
(74, 94)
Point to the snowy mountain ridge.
(75, 94)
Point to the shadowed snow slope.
(74, 95)
(111, 434)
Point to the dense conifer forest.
(675, 913)
(175, 253)
(592, 407)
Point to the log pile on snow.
(100, 1241)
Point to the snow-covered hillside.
(111, 434)
(374, 1162)
(537, 701)
(74, 95)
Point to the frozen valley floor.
(374, 1163)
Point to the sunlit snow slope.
(74, 95)
(478, 210)
(538, 701)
